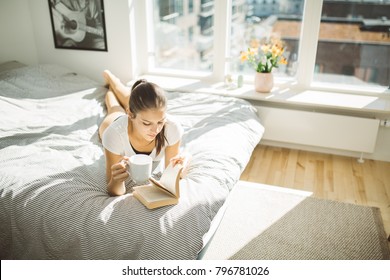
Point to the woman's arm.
(116, 173)
(171, 152)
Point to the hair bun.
(138, 82)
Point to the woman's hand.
(183, 159)
(119, 170)
(119, 175)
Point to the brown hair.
(144, 96)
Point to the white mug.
(140, 167)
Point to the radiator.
(319, 129)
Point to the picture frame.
(78, 24)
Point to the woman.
(136, 123)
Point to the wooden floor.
(327, 176)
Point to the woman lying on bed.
(136, 123)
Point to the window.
(183, 35)
(328, 43)
(264, 21)
(354, 43)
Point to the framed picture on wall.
(78, 24)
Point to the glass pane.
(259, 22)
(184, 34)
(354, 43)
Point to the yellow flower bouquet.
(264, 57)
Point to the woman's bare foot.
(120, 90)
(106, 80)
(109, 78)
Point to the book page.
(169, 176)
(152, 194)
(153, 197)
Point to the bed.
(53, 199)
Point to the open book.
(161, 192)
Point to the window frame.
(311, 20)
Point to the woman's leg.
(121, 91)
(114, 110)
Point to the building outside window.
(354, 42)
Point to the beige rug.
(268, 222)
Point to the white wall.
(381, 152)
(17, 40)
(26, 35)
(89, 63)
(325, 133)
(382, 148)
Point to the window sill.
(286, 96)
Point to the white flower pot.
(264, 82)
